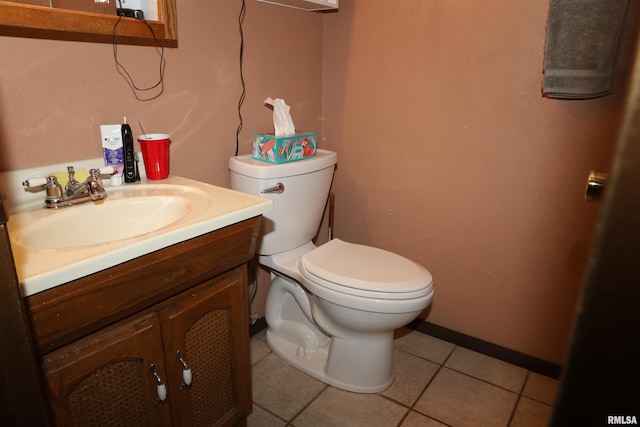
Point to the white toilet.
(331, 310)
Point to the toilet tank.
(297, 210)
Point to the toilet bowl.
(331, 310)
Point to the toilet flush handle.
(276, 189)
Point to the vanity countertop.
(44, 266)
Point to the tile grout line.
(518, 393)
(308, 404)
(483, 380)
(288, 422)
(411, 408)
(515, 406)
(440, 366)
(271, 413)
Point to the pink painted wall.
(55, 94)
(449, 155)
(447, 152)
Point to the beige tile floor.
(436, 384)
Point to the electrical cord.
(123, 69)
(243, 93)
(253, 317)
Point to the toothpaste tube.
(112, 147)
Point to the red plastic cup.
(155, 153)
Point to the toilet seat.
(364, 271)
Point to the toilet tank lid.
(248, 166)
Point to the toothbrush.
(129, 162)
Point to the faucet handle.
(107, 170)
(34, 182)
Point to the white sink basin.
(54, 246)
(102, 222)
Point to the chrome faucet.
(74, 192)
(73, 186)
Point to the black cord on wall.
(242, 94)
(123, 69)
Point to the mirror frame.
(22, 20)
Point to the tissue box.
(282, 149)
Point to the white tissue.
(282, 121)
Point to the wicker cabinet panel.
(208, 330)
(105, 379)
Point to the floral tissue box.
(282, 149)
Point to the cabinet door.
(209, 328)
(105, 379)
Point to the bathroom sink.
(96, 223)
(54, 246)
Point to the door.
(600, 384)
(209, 330)
(106, 378)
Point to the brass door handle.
(596, 184)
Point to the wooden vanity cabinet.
(104, 377)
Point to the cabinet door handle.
(161, 389)
(186, 372)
